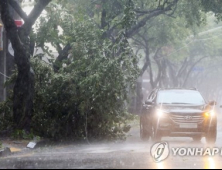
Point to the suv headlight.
(160, 113)
(209, 113)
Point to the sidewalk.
(10, 146)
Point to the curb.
(5, 152)
(39, 144)
(42, 143)
(32, 145)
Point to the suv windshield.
(180, 97)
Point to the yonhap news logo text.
(161, 150)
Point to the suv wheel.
(211, 136)
(144, 131)
(156, 135)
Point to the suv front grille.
(187, 118)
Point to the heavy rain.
(118, 84)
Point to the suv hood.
(184, 108)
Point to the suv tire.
(156, 135)
(197, 138)
(211, 136)
(144, 130)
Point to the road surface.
(132, 153)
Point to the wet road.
(133, 153)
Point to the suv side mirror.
(148, 102)
(212, 103)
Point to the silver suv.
(178, 113)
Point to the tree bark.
(24, 85)
(14, 4)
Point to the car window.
(180, 97)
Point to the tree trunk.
(19, 37)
